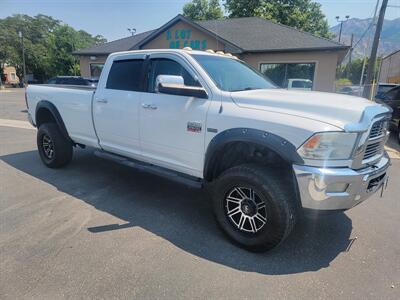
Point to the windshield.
(232, 75)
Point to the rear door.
(116, 103)
(172, 128)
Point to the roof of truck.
(184, 51)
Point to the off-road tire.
(273, 189)
(61, 146)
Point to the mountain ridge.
(390, 36)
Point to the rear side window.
(393, 94)
(126, 75)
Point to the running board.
(188, 180)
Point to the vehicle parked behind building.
(382, 88)
(353, 90)
(392, 99)
(73, 80)
(299, 84)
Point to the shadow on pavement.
(182, 215)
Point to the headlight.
(328, 145)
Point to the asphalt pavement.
(99, 230)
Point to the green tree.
(352, 71)
(48, 44)
(203, 10)
(304, 15)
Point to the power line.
(371, 24)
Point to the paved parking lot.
(96, 229)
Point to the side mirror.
(174, 85)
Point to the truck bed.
(69, 86)
(75, 103)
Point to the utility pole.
(348, 66)
(1, 76)
(367, 48)
(351, 47)
(23, 55)
(341, 25)
(374, 50)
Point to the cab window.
(126, 75)
(164, 66)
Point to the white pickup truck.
(265, 154)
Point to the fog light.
(337, 187)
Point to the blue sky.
(111, 18)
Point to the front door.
(116, 106)
(172, 128)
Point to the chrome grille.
(371, 145)
(376, 139)
(373, 149)
(378, 128)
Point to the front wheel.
(254, 207)
(55, 150)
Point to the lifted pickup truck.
(265, 154)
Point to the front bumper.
(316, 185)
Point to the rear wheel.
(254, 207)
(55, 150)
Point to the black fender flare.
(285, 149)
(44, 104)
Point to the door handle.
(102, 101)
(149, 106)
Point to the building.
(390, 68)
(10, 76)
(278, 51)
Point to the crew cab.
(209, 120)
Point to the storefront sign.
(181, 38)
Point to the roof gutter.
(340, 48)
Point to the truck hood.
(334, 109)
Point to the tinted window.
(393, 94)
(232, 75)
(52, 81)
(298, 84)
(301, 84)
(126, 75)
(383, 88)
(70, 81)
(163, 66)
(77, 81)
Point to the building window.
(13, 76)
(290, 75)
(95, 70)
